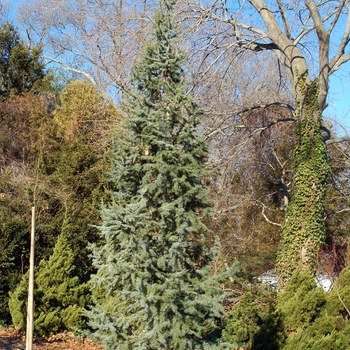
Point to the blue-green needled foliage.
(153, 288)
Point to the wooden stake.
(30, 312)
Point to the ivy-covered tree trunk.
(304, 229)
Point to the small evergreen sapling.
(59, 296)
(152, 288)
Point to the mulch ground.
(12, 339)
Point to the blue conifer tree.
(153, 288)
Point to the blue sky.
(339, 96)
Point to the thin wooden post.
(30, 312)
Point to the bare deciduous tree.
(305, 38)
(97, 39)
(4, 11)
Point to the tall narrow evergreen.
(152, 288)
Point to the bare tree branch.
(318, 22)
(266, 218)
(311, 27)
(218, 127)
(284, 18)
(342, 301)
(340, 56)
(337, 140)
(78, 71)
(206, 13)
(337, 12)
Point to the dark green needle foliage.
(253, 322)
(59, 295)
(21, 68)
(311, 318)
(13, 242)
(153, 289)
(305, 317)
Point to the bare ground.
(12, 339)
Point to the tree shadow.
(270, 335)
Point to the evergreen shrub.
(253, 321)
(60, 297)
